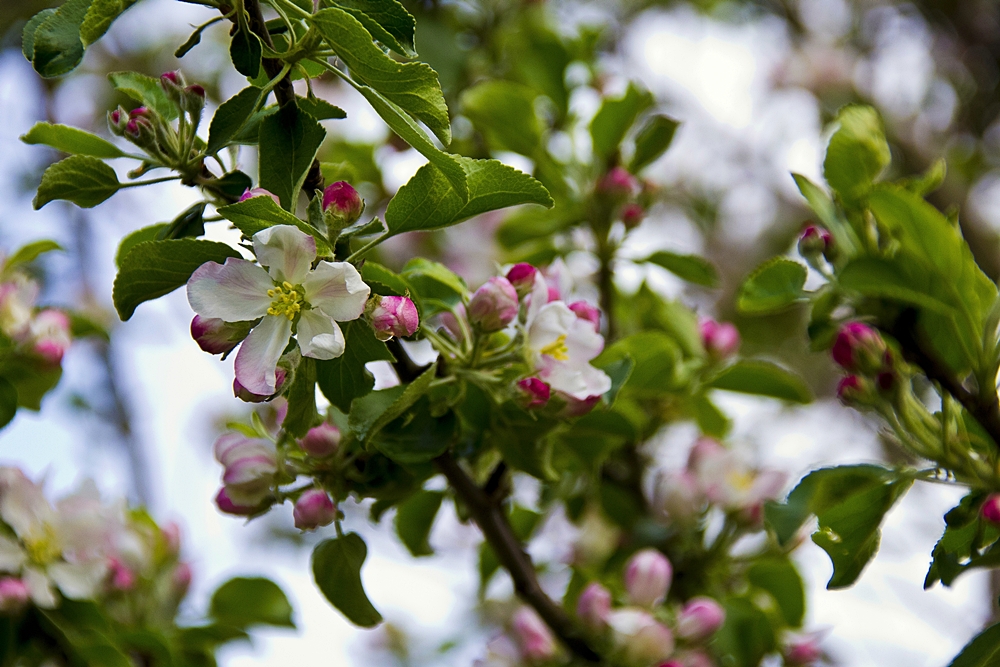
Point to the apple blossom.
(677, 496)
(289, 297)
(802, 650)
(593, 606)
(640, 639)
(859, 348)
(494, 305)
(313, 509)
(249, 468)
(532, 635)
(647, 577)
(522, 278)
(342, 204)
(535, 392)
(699, 619)
(587, 312)
(242, 393)
(393, 316)
(321, 441)
(50, 335)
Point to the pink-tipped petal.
(234, 292)
(258, 356)
(336, 288)
(286, 251)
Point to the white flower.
(289, 297)
(729, 482)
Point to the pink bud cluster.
(619, 188)
(861, 350)
(250, 465)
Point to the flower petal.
(286, 251)
(11, 555)
(22, 503)
(39, 588)
(78, 581)
(235, 291)
(259, 354)
(336, 288)
(319, 336)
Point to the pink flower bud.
(321, 441)
(678, 497)
(138, 112)
(250, 465)
(14, 595)
(244, 394)
(860, 348)
(854, 391)
(647, 577)
(814, 241)
(50, 334)
(171, 534)
(802, 651)
(532, 635)
(594, 606)
(216, 336)
(342, 204)
(618, 184)
(991, 508)
(313, 509)
(172, 78)
(226, 504)
(259, 192)
(721, 339)
(451, 324)
(394, 316)
(536, 393)
(493, 305)
(181, 579)
(122, 577)
(700, 618)
(522, 278)
(117, 120)
(577, 407)
(640, 639)
(587, 312)
(632, 215)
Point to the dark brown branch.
(490, 517)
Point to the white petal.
(336, 288)
(259, 354)
(579, 381)
(78, 581)
(22, 502)
(549, 323)
(539, 297)
(11, 555)
(582, 342)
(235, 291)
(39, 588)
(286, 251)
(319, 336)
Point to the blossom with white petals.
(289, 297)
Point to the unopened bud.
(678, 496)
(532, 635)
(522, 278)
(647, 577)
(618, 184)
(632, 215)
(181, 579)
(228, 506)
(216, 336)
(854, 391)
(321, 441)
(700, 618)
(393, 316)
(802, 651)
(991, 508)
(859, 348)
(122, 576)
(594, 606)
(587, 312)
(244, 394)
(173, 85)
(535, 392)
(815, 241)
(50, 335)
(250, 465)
(640, 639)
(14, 595)
(192, 100)
(342, 205)
(493, 305)
(171, 534)
(259, 192)
(313, 509)
(117, 120)
(720, 339)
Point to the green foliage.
(386, 20)
(781, 580)
(857, 153)
(258, 213)
(289, 140)
(8, 402)
(372, 412)
(968, 542)
(752, 376)
(773, 286)
(691, 268)
(81, 179)
(28, 253)
(154, 268)
(146, 90)
(100, 16)
(982, 651)
(243, 602)
(414, 520)
(336, 566)
(345, 378)
(71, 140)
(613, 120)
(301, 414)
(246, 51)
(746, 635)
(504, 112)
(652, 141)
(51, 40)
(231, 117)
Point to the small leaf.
(28, 33)
(619, 370)
(246, 601)
(252, 215)
(691, 268)
(71, 140)
(246, 50)
(320, 109)
(100, 16)
(147, 90)
(613, 120)
(773, 286)
(150, 233)
(652, 141)
(752, 376)
(81, 179)
(779, 577)
(154, 268)
(415, 518)
(231, 116)
(982, 651)
(857, 153)
(345, 378)
(55, 45)
(372, 412)
(504, 112)
(29, 253)
(336, 566)
(301, 414)
(289, 140)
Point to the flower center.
(42, 546)
(557, 349)
(741, 480)
(287, 300)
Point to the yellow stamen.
(557, 349)
(43, 548)
(288, 300)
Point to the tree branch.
(492, 521)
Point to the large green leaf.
(504, 112)
(246, 51)
(242, 602)
(655, 356)
(147, 90)
(301, 414)
(336, 566)
(231, 116)
(753, 376)
(71, 140)
(289, 140)
(345, 378)
(386, 20)
(982, 651)
(746, 635)
(779, 577)
(613, 120)
(413, 87)
(857, 153)
(81, 179)
(55, 43)
(100, 16)
(154, 268)
(691, 268)
(773, 286)
(415, 518)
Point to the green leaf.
(752, 376)
(619, 370)
(414, 87)
(336, 566)
(746, 635)
(504, 112)
(433, 280)
(372, 412)
(8, 402)
(252, 215)
(857, 153)
(28, 33)
(691, 268)
(100, 16)
(301, 414)
(289, 140)
(246, 601)
(428, 201)
(386, 20)
(55, 44)
(824, 208)
(415, 518)
(417, 435)
(28, 253)
(652, 141)
(246, 51)
(320, 109)
(147, 90)
(231, 117)
(773, 286)
(151, 233)
(71, 140)
(81, 179)
(655, 356)
(982, 651)
(613, 120)
(154, 268)
(345, 378)
(710, 419)
(779, 577)
(32, 377)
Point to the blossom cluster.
(41, 333)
